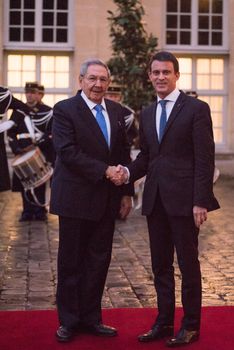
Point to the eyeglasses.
(92, 79)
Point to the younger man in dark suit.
(90, 139)
(177, 157)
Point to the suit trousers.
(84, 256)
(168, 233)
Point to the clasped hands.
(117, 174)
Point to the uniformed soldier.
(7, 101)
(20, 139)
(114, 93)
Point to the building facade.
(46, 40)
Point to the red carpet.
(34, 330)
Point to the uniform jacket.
(17, 145)
(79, 188)
(181, 167)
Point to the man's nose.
(98, 82)
(161, 75)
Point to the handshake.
(117, 174)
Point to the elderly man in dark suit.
(90, 139)
(177, 157)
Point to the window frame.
(193, 46)
(210, 93)
(38, 43)
(38, 54)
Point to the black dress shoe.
(64, 334)
(157, 332)
(100, 330)
(184, 337)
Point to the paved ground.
(28, 258)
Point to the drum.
(32, 169)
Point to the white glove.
(6, 125)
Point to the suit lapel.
(175, 111)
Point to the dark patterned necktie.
(163, 119)
(101, 121)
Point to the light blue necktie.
(101, 121)
(163, 119)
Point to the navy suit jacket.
(79, 188)
(181, 167)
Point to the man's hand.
(125, 206)
(117, 174)
(200, 215)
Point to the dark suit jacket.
(79, 187)
(181, 167)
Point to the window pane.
(185, 38)
(47, 35)
(48, 18)
(172, 21)
(47, 79)
(16, 4)
(203, 82)
(217, 22)
(62, 64)
(48, 4)
(185, 5)
(62, 19)
(203, 22)
(28, 76)
(216, 38)
(203, 65)
(216, 82)
(61, 80)
(29, 63)
(14, 79)
(14, 62)
(15, 17)
(55, 71)
(172, 5)
(217, 66)
(185, 21)
(23, 68)
(171, 37)
(28, 34)
(203, 6)
(14, 34)
(50, 99)
(47, 63)
(29, 18)
(203, 38)
(217, 6)
(218, 135)
(62, 4)
(29, 4)
(217, 119)
(61, 35)
(185, 81)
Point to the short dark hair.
(165, 56)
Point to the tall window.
(206, 76)
(196, 23)
(41, 22)
(52, 71)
